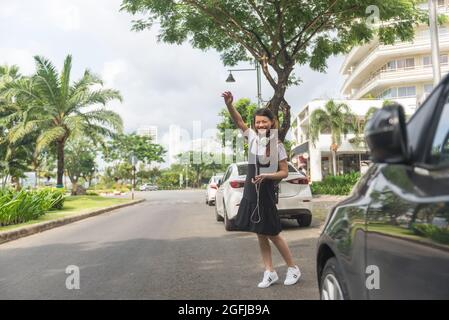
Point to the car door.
(219, 194)
(407, 222)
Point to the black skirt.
(264, 221)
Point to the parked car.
(390, 238)
(148, 187)
(294, 195)
(211, 189)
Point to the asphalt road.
(168, 247)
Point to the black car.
(390, 238)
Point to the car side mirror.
(386, 135)
(219, 183)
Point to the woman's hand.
(228, 98)
(258, 179)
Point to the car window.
(439, 153)
(291, 168)
(242, 169)
(227, 174)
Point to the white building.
(148, 131)
(374, 72)
(317, 156)
(401, 72)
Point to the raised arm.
(235, 115)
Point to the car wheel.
(217, 216)
(331, 283)
(304, 220)
(211, 203)
(207, 202)
(228, 223)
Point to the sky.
(162, 84)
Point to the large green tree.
(80, 161)
(123, 146)
(57, 108)
(278, 34)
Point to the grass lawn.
(73, 205)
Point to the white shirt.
(260, 149)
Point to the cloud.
(113, 69)
(20, 57)
(63, 15)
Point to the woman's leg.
(265, 250)
(282, 246)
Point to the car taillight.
(299, 181)
(237, 184)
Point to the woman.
(257, 210)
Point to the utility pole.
(434, 42)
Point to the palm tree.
(335, 118)
(57, 109)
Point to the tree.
(278, 34)
(55, 108)
(123, 146)
(201, 169)
(80, 161)
(14, 156)
(335, 118)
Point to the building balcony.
(389, 78)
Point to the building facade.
(401, 72)
(374, 73)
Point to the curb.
(6, 236)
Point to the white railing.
(379, 74)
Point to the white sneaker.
(293, 275)
(268, 279)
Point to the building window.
(427, 60)
(401, 92)
(325, 166)
(406, 92)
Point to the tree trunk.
(60, 150)
(334, 162)
(279, 104)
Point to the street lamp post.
(133, 162)
(257, 69)
(434, 42)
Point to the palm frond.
(46, 80)
(65, 79)
(49, 136)
(319, 120)
(21, 130)
(105, 118)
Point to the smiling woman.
(257, 211)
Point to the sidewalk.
(24, 231)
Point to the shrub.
(336, 185)
(435, 233)
(25, 205)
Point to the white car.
(294, 195)
(148, 187)
(211, 189)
